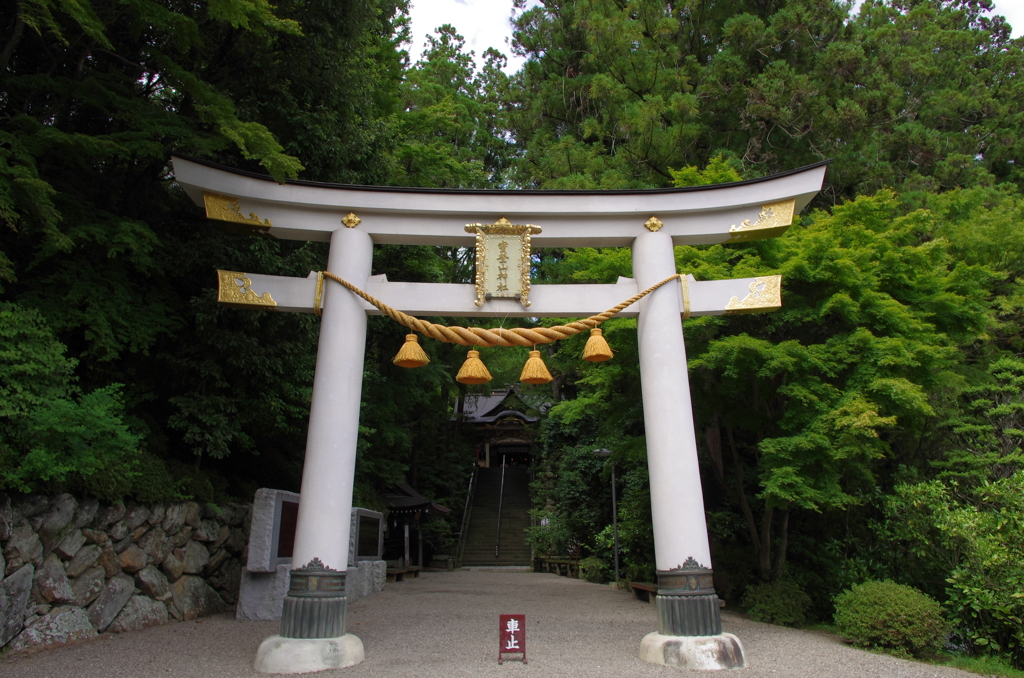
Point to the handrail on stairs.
(501, 496)
(465, 511)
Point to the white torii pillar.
(313, 623)
(689, 622)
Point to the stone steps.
(515, 506)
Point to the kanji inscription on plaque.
(512, 635)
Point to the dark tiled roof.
(404, 499)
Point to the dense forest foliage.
(870, 429)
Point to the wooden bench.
(413, 571)
(396, 574)
(565, 567)
(643, 591)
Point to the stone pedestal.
(278, 654)
(313, 625)
(703, 653)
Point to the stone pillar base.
(278, 654)
(703, 653)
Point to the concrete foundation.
(703, 653)
(306, 655)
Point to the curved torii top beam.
(303, 210)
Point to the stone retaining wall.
(74, 568)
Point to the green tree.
(120, 263)
(906, 94)
(453, 124)
(800, 408)
(52, 435)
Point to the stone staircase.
(483, 520)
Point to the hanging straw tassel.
(473, 370)
(535, 371)
(411, 355)
(597, 349)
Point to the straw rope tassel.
(478, 336)
(535, 371)
(411, 354)
(597, 349)
(473, 370)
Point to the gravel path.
(445, 625)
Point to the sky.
(485, 23)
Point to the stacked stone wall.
(73, 568)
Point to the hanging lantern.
(411, 354)
(473, 370)
(535, 371)
(597, 349)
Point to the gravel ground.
(445, 625)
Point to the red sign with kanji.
(512, 635)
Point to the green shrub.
(593, 569)
(780, 602)
(890, 616)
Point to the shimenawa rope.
(516, 336)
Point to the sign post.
(512, 635)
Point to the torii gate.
(353, 218)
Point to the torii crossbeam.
(354, 218)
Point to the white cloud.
(483, 23)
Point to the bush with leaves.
(975, 537)
(780, 602)
(594, 570)
(53, 436)
(890, 616)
